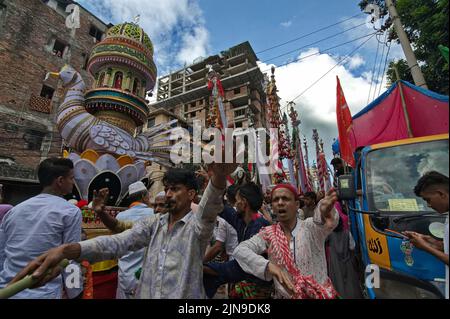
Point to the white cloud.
(317, 107)
(355, 62)
(194, 45)
(286, 24)
(176, 27)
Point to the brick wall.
(27, 33)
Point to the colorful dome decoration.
(92, 170)
(132, 31)
(123, 68)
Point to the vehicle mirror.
(346, 187)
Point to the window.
(151, 122)
(95, 33)
(101, 79)
(392, 173)
(194, 114)
(47, 92)
(237, 91)
(186, 108)
(118, 80)
(238, 124)
(85, 60)
(33, 140)
(2, 15)
(136, 86)
(239, 113)
(59, 48)
(62, 6)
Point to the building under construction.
(185, 93)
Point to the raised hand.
(205, 176)
(99, 200)
(327, 203)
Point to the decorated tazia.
(322, 169)
(304, 183)
(93, 172)
(279, 143)
(100, 126)
(216, 112)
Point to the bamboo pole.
(405, 110)
(25, 283)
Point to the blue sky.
(266, 23)
(183, 30)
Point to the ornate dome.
(127, 45)
(131, 31)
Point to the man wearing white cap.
(130, 263)
(160, 203)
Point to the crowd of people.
(196, 239)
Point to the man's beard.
(170, 205)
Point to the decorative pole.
(319, 161)
(218, 117)
(301, 171)
(276, 140)
(305, 145)
(309, 178)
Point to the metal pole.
(416, 72)
(405, 111)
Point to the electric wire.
(373, 71)
(322, 51)
(311, 33)
(384, 69)
(379, 66)
(337, 64)
(315, 42)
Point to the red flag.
(344, 123)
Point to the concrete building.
(34, 40)
(156, 117)
(185, 93)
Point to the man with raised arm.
(295, 247)
(176, 241)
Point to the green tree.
(403, 71)
(426, 24)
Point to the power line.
(325, 50)
(315, 42)
(373, 71)
(379, 66)
(384, 69)
(311, 33)
(338, 63)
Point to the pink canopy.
(384, 120)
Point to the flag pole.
(405, 111)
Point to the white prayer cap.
(161, 194)
(136, 188)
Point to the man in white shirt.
(433, 188)
(225, 238)
(295, 247)
(41, 223)
(130, 263)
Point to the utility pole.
(416, 72)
